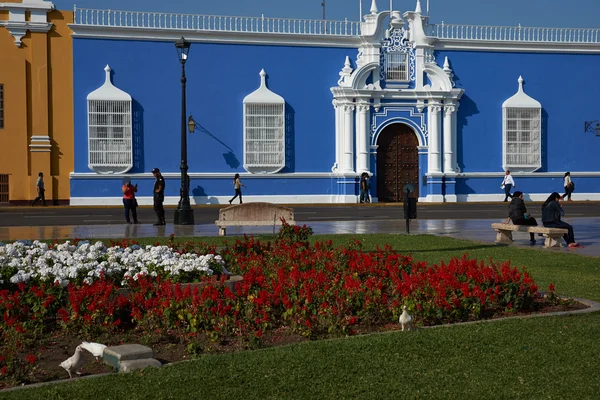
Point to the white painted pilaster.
(434, 137)
(362, 138)
(348, 159)
(449, 137)
(339, 135)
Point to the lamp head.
(191, 124)
(183, 49)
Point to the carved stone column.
(449, 137)
(348, 164)
(434, 137)
(362, 138)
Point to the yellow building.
(36, 101)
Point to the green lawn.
(550, 357)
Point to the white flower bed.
(85, 262)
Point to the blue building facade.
(439, 109)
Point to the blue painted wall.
(218, 78)
(566, 86)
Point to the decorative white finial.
(446, 64)
(107, 69)
(347, 63)
(374, 9)
(263, 78)
(418, 10)
(520, 83)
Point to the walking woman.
(237, 185)
(551, 212)
(129, 200)
(517, 212)
(568, 186)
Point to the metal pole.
(406, 211)
(184, 215)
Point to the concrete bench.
(553, 236)
(253, 214)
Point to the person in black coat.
(517, 213)
(551, 212)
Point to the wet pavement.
(587, 231)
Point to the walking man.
(159, 197)
(507, 184)
(40, 190)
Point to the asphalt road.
(60, 216)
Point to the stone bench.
(553, 236)
(253, 214)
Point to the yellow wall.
(38, 101)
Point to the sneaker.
(157, 223)
(136, 222)
(229, 201)
(532, 241)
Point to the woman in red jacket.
(129, 201)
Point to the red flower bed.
(313, 290)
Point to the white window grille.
(522, 132)
(110, 140)
(396, 66)
(264, 130)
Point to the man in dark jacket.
(517, 212)
(159, 196)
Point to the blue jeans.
(569, 237)
(364, 196)
(507, 194)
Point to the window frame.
(264, 137)
(522, 138)
(389, 62)
(110, 135)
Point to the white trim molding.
(40, 144)
(17, 24)
(213, 175)
(203, 200)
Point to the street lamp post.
(184, 215)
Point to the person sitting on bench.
(517, 212)
(551, 212)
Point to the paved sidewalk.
(587, 231)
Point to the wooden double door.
(397, 163)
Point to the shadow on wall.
(138, 136)
(462, 186)
(544, 141)
(290, 138)
(230, 158)
(200, 196)
(467, 108)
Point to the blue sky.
(547, 13)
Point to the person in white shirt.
(507, 184)
(568, 186)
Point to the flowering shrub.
(313, 290)
(294, 233)
(84, 263)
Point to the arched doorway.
(397, 162)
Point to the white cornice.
(86, 31)
(213, 175)
(533, 47)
